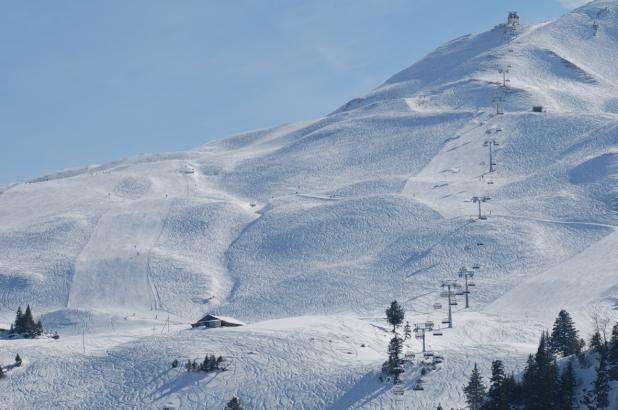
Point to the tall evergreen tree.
(601, 385)
(395, 348)
(29, 325)
(612, 354)
(475, 390)
(19, 321)
(564, 337)
(596, 343)
(497, 397)
(541, 378)
(2, 375)
(513, 390)
(233, 404)
(566, 388)
(18, 360)
(395, 314)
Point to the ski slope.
(308, 231)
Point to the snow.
(306, 232)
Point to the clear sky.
(86, 82)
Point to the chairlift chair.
(471, 284)
(444, 294)
(437, 333)
(418, 386)
(476, 266)
(453, 303)
(428, 354)
(429, 324)
(445, 321)
(398, 390)
(437, 306)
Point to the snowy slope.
(322, 223)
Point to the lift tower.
(479, 200)
(467, 276)
(450, 285)
(492, 144)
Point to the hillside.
(307, 231)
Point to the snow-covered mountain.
(307, 231)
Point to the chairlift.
(444, 294)
(437, 306)
(437, 332)
(446, 321)
(418, 386)
(471, 284)
(428, 354)
(480, 244)
(490, 182)
(476, 266)
(483, 218)
(453, 303)
(458, 293)
(398, 390)
(409, 355)
(429, 324)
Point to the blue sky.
(86, 82)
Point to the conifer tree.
(18, 327)
(513, 390)
(566, 388)
(596, 343)
(29, 326)
(601, 385)
(564, 337)
(395, 315)
(407, 331)
(233, 404)
(541, 378)
(612, 354)
(497, 397)
(439, 407)
(2, 375)
(394, 350)
(18, 360)
(475, 390)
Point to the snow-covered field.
(308, 231)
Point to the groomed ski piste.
(308, 231)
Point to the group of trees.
(17, 363)
(544, 385)
(25, 325)
(210, 364)
(233, 404)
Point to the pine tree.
(29, 326)
(497, 397)
(395, 348)
(612, 354)
(541, 378)
(596, 343)
(19, 321)
(38, 328)
(188, 365)
(513, 390)
(233, 404)
(2, 375)
(407, 331)
(395, 315)
(601, 385)
(566, 388)
(564, 337)
(18, 360)
(439, 407)
(475, 390)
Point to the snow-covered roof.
(227, 319)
